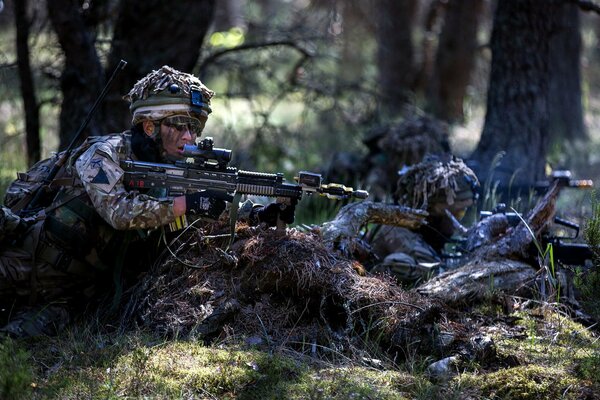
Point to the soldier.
(93, 226)
(443, 186)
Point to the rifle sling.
(233, 214)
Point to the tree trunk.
(151, 34)
(395, 52)
(564, 105)
(82, 77)
(455, 59)
(229, 14)
(31, 107)
(517, 106)
(354, 47)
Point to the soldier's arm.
(102, 177)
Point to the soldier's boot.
(48, 321)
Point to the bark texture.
(517, 119)
(497, 265)
(455, 59)
(30, 104)
(82, 77)
(395, 54)
(565, 107)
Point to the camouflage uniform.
(92, 223)
(437, 184)
(75, 237)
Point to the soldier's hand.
(205, 204)
(268, 214)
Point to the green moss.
(589, 367)
(16, 377)
(531, 382)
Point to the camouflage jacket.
(98, 169)
(404, 254)
(90, 206)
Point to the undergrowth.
(588, 278)
(553, 357)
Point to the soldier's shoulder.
(112, 146)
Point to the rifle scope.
(205, 152)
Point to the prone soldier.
(92, 226)
(444, 187)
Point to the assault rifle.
(538, 188)
(209, 171)
(564, 249)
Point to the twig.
(388, 302)
(586, 5)
(249, 46)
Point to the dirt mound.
(278, 289)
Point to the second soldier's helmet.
(436, 183)
(166, 92)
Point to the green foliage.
(589, 367)
(16, 375)
(531, 382)
(587, 279)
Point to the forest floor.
(273, 323)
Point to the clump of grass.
(589, 367)
(530, 382)
(16, 376)
(588, 279)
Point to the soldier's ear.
(149, 128)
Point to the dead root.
(500, 258)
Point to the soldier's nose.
(186, 135)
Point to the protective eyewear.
(181, 123)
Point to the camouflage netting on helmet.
(285, 290)
(403, 144)
(166, 92)
(443, 178)
(408, 142)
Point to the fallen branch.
(342, 233)
(499, 262)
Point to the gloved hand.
(204, 204)
(269, 213)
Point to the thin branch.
(8, 65)
(586, 5)
(249, 46)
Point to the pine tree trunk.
(565, 107)
(517, 120)
(30, 105)
(82, 77)
(395, 52)
(455, 59)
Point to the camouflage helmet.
(167, 91)
(437, 179)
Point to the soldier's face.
(174, 137)
(458, 209)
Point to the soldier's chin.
(175, 156)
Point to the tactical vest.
(73, 234)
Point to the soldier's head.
(171, 108)
(437, 184)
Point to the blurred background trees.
(299, 81)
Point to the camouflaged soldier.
(93, 224)
(443, 186)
